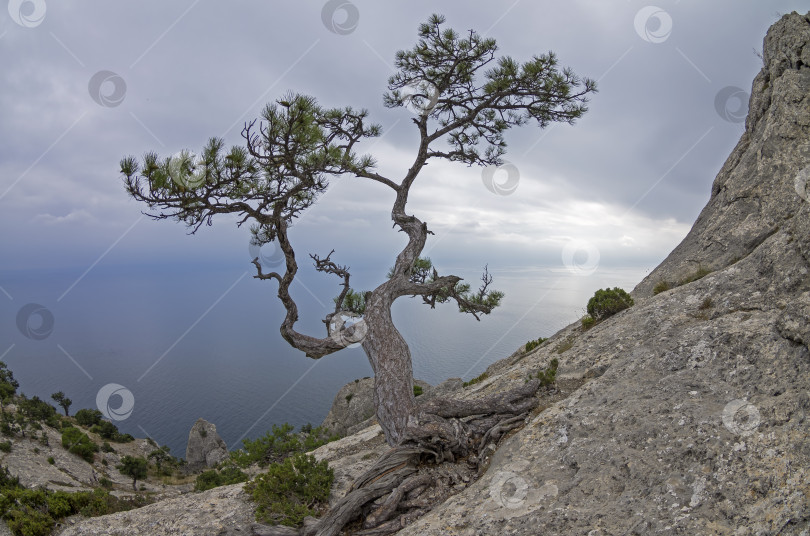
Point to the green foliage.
(77, 442)
(549, 375)
(608, 302)
(5, 446)
(278, 444)
(51, 460)
(34, 512)
(108, 430)
(349, 397)
(417, 390)
(203, 432)
(8, 385)
(661, 286)
(478, 379)
(164, 462)
(105, 482)
(62, 401)
(588, 321)
(531, 345)
(106, 447)
(88, 417)
(38, 411)
(212, 478)
(134, 467)
(291, 490)
(353, 301)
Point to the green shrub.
(417, 390)
(660, 287)
(280, 443)
(88, 417)
(5, 446)
(51, 460)
(531, 345)
(549, 375)
(349, 397)
(291, 490)
(478, 379)
(607, 302)
(106, 447)
(79, 444)
(105, 482)
(108, 430)
(588, 322)
(213, 479)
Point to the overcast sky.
(86, 83)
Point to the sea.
(157, 350)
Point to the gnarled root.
(408, 480)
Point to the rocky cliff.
(685, 414)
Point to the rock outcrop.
(205, 448)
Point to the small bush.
(417, 390)
(607, 302)
(79, 444)
(349, 397)
(88, 417)
(531, 345)
(588, 322)
(706, 304)
(291, 490)
(105, 482)
(5, 446)
(278, 444)
(203, 432)
(477, 379)
(51, 460)
(549, 375)
(213, 479)
(661, 286)
(106, 447)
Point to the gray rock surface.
(694, 418)
(205, 448)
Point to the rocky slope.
(699, 424)
(685, 414)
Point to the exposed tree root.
(410, 479)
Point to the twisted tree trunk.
(390, 359)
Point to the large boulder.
(205, 448)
